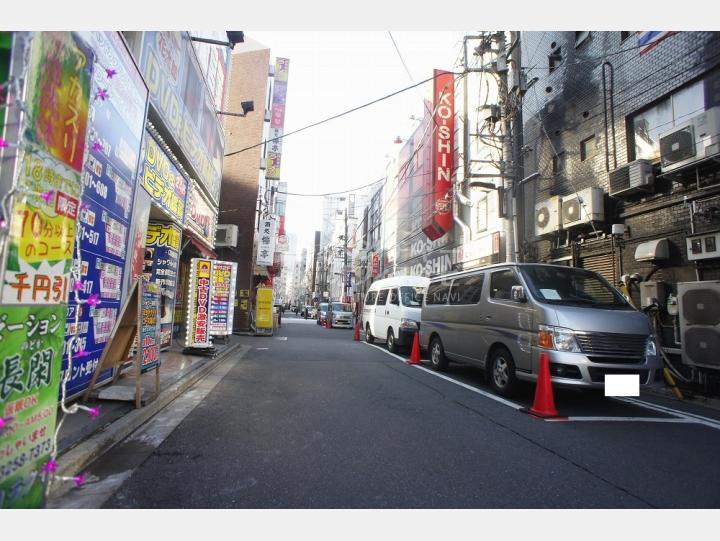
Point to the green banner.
(31, 349)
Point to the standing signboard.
(37, 257)
(116, 129)
(162, 252)
(264, 311)
(197, 333)
(149, 321)
(222, 306)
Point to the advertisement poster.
(266, 242)
(277, 119)
(264, 310)
(200, 216)
(162, 252)
(223, 298)
(116, 128)
(31, 344)
(136, 239)
(178, 93)
(198, 325)
(149, 331)
(163, 181)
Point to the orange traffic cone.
(356, 336)
(544, 404)
(415, 351)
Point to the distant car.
(341, 315)
(322, 313)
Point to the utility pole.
(508, 170)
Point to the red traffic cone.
(544, 404)
(415, 351)
(356, 335)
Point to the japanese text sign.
(198, 324)
(163, 181)
(266, 242)
(223, 298)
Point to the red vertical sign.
(437, 211)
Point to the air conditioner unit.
(699, 311)
(583, 207)
(226, 235)
(630, 178)
(691, 141)
(547, 216)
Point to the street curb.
(74, 460)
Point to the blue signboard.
(115, 134)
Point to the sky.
(331, 72)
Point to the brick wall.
(238, 198)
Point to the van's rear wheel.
(391, 341)
(437, 355)
(502, 372)
(369, 338)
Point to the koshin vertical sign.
(199, 293)
(277, 119)
(437, 209)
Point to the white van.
(392, 310)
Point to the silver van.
(502, 317)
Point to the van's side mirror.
(517, 293)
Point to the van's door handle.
(488, 317)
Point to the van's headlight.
(650, 347)
(408, 324)
(558, 338)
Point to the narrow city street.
(309, 418)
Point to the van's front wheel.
(502, 372)
(437, 355)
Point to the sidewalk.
(82, 439)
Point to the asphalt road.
(311, 419)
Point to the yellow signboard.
(263, 309)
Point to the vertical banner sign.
(277, 119)
(149, 322)
(263, 310)
(223, 298)
(198, 318)
(375, 264)
(162, 253)
(266, 242)
(36, 264)
(437, 210)
(116, 128)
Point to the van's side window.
(501, 283)
(467, 290)
(437, 292)
(370, 299)
(382, 297)
(394, 298)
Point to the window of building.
(382, 297)
(555, 59)
(481, 214)
(558, 163)
(588, 148)
(437, 292)
(625, 34)
(581, 36)
(662, 117)
(467, 290)
(501, 283)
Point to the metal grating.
(612, 344)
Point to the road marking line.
(262, 349)
(626, 419)
(699, 419)
(486, 394)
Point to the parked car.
(502, 317)
(321, 313)
(341, 315)
(392, 310)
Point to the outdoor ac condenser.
(631, 178)
(691, 141)
(583, 207)
(547, 216)
(226, 235)
(699, 313)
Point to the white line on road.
(451, 380)
(626, 419)
(699, 419)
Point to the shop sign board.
(199, 293)
(266, 242)
(31, 345)
(264, 310)
(201, 216)
(223, 298)
(149, 320)
(162, 253)
(179, 94)
(166, 185)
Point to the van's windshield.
(341, 307)
(571, 286)
(412, 295)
